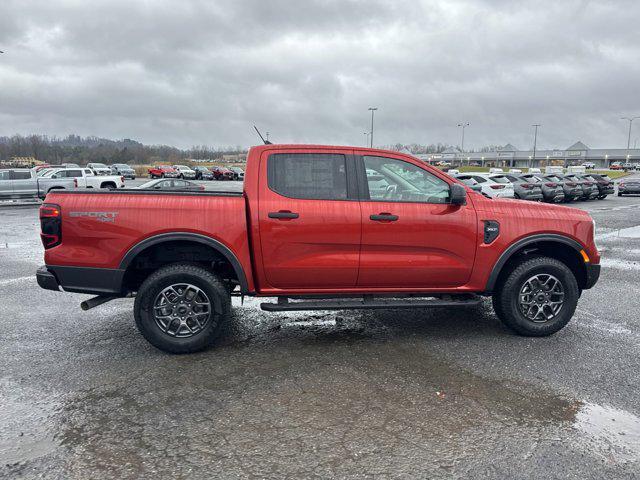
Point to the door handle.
(283, 214)
(384, 217)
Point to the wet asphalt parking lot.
(390, 394)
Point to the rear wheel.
(181, 307)
(619, 194)
(537, 298)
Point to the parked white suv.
(185, 172)
(493, 185)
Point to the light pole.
(463, 125)
(267, 136)
(372, 109)
(535, 142)
(630, 120)
(366, 138)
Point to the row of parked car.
(541, 187)
(196, 173)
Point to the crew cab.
(85, 178)
(163, 171)
(25, 183)
(310, 229)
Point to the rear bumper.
(593, 274)
(96, 281)
(629, 189)
(46, 279)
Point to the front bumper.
(593, 274)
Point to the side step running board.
(368, 302)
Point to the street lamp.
(535, 141)
(630, 120)
(463, 125)
(372, 109)
(366, 138)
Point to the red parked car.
(320, 228)
(222, 173)
(163, 171)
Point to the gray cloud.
(202, 72)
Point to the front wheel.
(181, 307)
(537, 298)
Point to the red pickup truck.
(320, 228)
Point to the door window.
(17, 175)
(4, 175)
(392, 180)
(74, 173)
(318, 176)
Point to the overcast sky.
(203, 72)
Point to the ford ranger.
(320, 228)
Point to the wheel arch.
(560, 247)
(171, 238)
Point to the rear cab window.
(313, 176)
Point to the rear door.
(309, 219)
(23, 184)
(412, 238)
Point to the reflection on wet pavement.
(327, 394)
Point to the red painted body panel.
(89, 242)
(334, 249)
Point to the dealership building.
(510, 156)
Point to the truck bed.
(100, 227)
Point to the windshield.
(99, 165)
(122, 165)
(554, 178)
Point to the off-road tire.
(506, 295)
(178, 273)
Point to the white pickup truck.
(86, 178)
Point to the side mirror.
(458, 195)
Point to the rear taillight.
(550, 184)
(122, 179)
(571, 184)
(497, 187)
(50, 225)
(75, 183)
(528, 186)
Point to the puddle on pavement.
(630, 232)
(615, 430)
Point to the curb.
(4, 205)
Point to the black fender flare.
(523, 242)
(192, 237)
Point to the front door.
(412, 237)
(309, 219)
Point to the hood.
(526, 208)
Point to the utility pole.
(372, 109)
(535, 142)
(630, 120)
